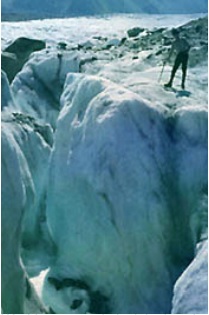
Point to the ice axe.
(161, 73)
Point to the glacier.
(106, 185)
(190, 293)
(119, 149)
(20, 195)
(41, 82)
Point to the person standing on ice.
(181, 46)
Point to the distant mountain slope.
(82, 7)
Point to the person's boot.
(169, 84)
(183, 83)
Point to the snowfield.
(56, 30)
(104, 172)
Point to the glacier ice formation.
(121, 187)
(39, 86)
(112, 174)
(20, 195)
(190, 293)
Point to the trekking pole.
(160, 77)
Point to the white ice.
(112, 149)
(67, 30)
(127, 166)
(190, 293)
(21, 191)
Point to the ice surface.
(110, 166)
(112, 149)
(38, 87)
(190, 293)
(56, 30)
(20, 194)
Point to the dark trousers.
(181, 59)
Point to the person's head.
(175, 33)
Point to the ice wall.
(37, 88)
(29, 115)
(21, 148)
(117, 181)
(125, 182)
(190, 294)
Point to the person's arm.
(187, 45)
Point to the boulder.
(15, 55)
(113, 42)
(133, 32)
